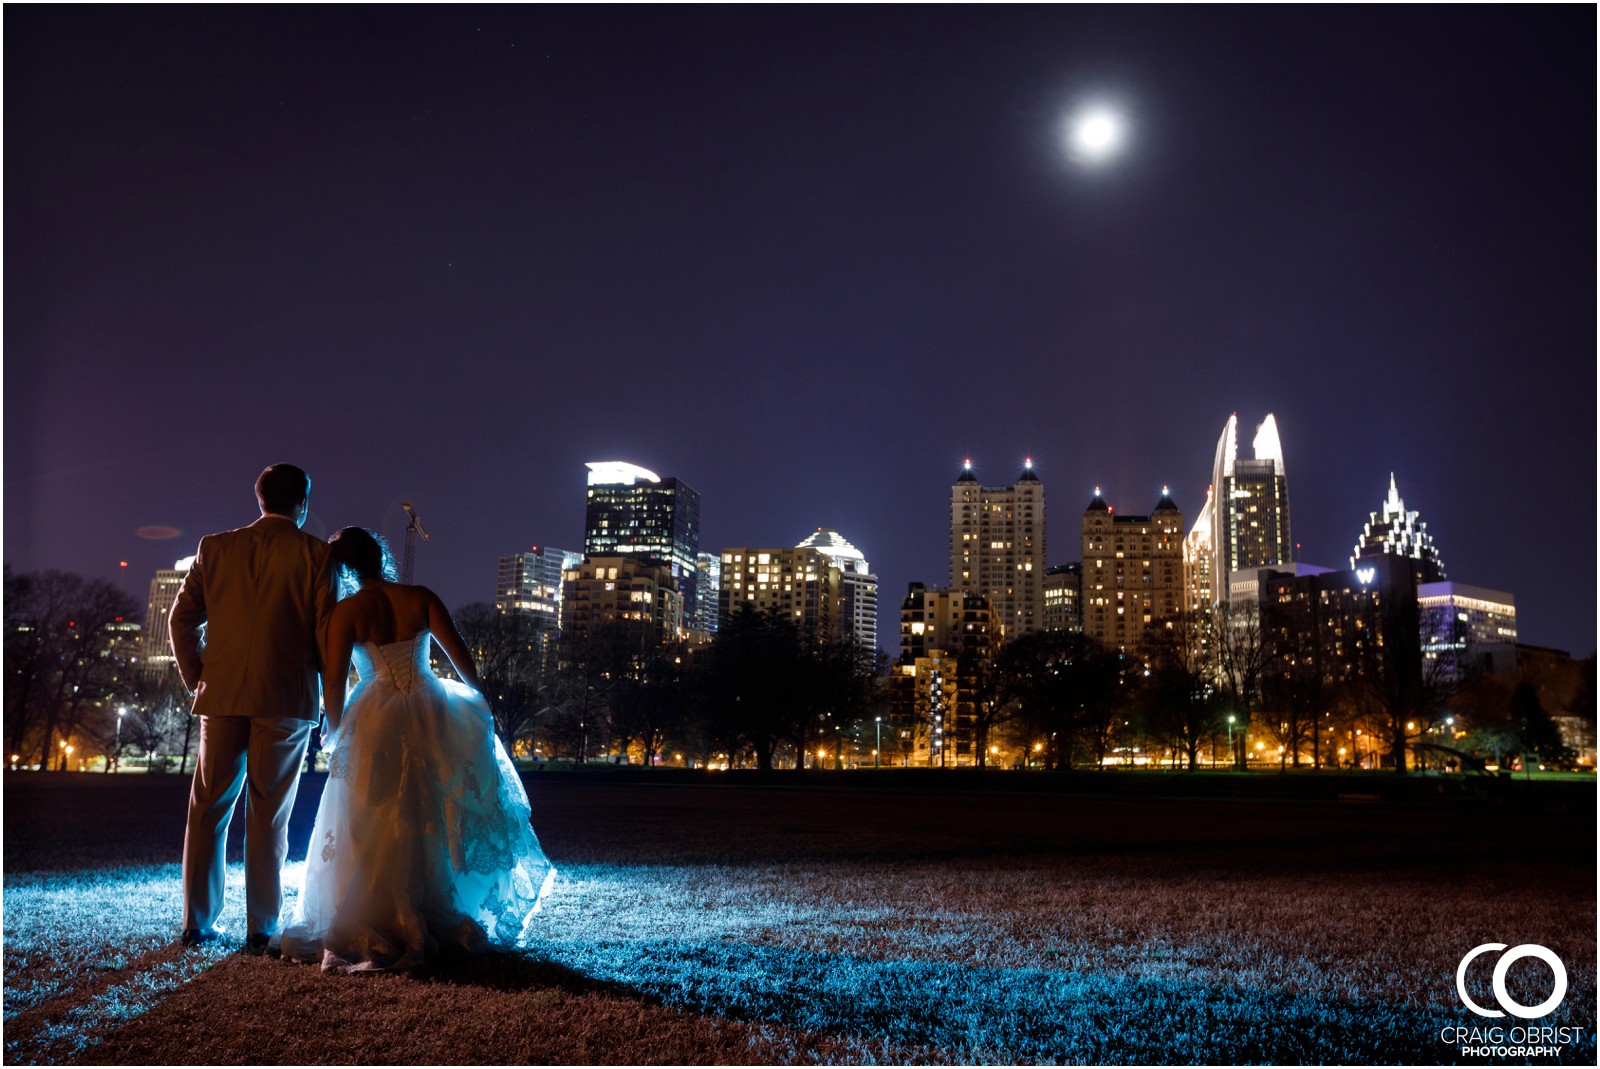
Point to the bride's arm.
(449, 639)
(336, 665)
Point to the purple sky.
(805, 260)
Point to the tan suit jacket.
(262, 595)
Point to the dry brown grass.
(758, 923)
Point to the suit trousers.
(265, 753)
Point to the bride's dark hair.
(360, 556)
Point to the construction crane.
(413, 528)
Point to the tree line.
(1204, 689)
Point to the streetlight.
(877, 761)
(1233, 755)
(122, 711)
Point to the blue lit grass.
(748, 939)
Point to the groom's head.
(284, 490)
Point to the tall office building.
(997, 547)
(1249, 504)
(707, 588)
(156, 638)
(633, 512)
(860, 586)
(803, 584)
(531, 582)
(1394, 531)
(1132, 571)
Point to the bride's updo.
(360, 556)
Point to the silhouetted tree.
(509, 648)
(1178, 699)
(1536, 731)
(591, 668)
(61, 657)
(756, 683)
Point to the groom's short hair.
(282, 489)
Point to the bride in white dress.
(422, 840)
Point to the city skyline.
(791, 258)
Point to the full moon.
(1096, 134)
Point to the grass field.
(912, 917)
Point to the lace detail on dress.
(423, 838)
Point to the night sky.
(806, 260)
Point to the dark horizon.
(807, 261)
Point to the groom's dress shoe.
(196, 937)
(260, 944)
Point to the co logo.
(1512, 1006)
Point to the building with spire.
(997, 547)
(1132, 571)
(1249, 505)
(859, 586)
(1394, 531)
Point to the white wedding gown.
(423, 840)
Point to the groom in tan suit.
(246, 632)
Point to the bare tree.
(1178, 696)
(1242, 657)
(62, 665)
(509, 651)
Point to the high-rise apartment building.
(1063, 597)
(1394, 531)
(157, 636)
(948, 640)
(997, 547)
(804, 585)
(860, 586)
(1249, 504)
(633, 512)
(1132, 571)
(639, 595)
(531, 582)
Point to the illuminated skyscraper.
(1399, 533)
(997, 547)
(1197, 574)
(1132, 571)
(633, 512)
(1249, 505)
(860, 586)
(708, 582)
(156, 638)
(531, 582)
